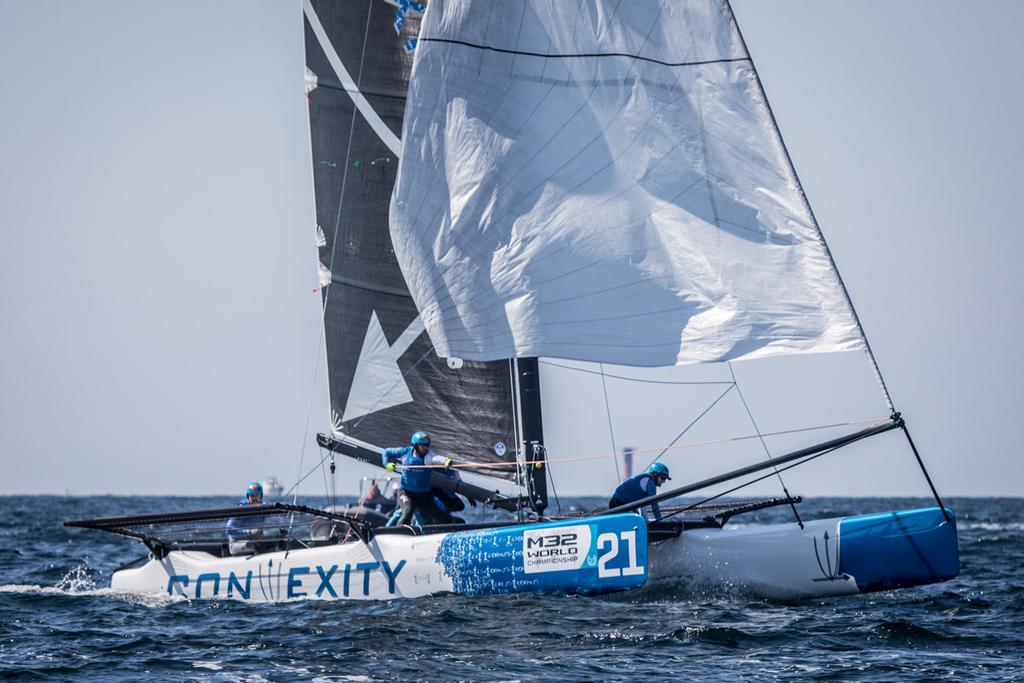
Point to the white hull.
(387, 567)
(593, 555)
(773, 561)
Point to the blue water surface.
(60, 622)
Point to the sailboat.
(503, 184)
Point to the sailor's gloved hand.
(448, 463)
(390, 467)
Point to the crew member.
(242, 533)
(641, 486)
(253, 494)
(415, 494)
(376, 500)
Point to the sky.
(160, 330)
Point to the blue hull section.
(899, 549)
(595, 555)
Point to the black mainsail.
(386, 381)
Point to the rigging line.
(810, 211)
(348, 156)
(334, 251)
(764, 445)
(580, 55)
(362, 499)
(393, 385)
(334, 482)
(327, 488)
(551, 480)
(692, 423)
(307, 474)
(752, 481)
(611, 432)
(309, 401)
(361, 103)
(717, 441)
(631, 379)
(924, 470)
(876, 421)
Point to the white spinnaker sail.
(603, 181)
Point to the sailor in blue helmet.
(641, 486)
(253, 494)
(415, 494)
(242, 532)
(446, 500)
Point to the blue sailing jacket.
(239, 529)
(635, 488)
(416, 480)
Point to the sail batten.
(604, 184)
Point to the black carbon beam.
(898, 419)
(128, 525)
(756, 467)
(440, 481)
(533, 433)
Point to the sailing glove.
(390, 467)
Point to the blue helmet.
(255, 489)
(659, 468)
(420, 438)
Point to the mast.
(528, 370)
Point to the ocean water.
(58, 621)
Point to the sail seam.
(582, 55)
(340, 87)
(611, 431)
(632, 379)
(764, 445)
(695, 420)
(367, 286)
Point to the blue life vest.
(397, 514)
(239, 529)
(417, 479)
(636, 488)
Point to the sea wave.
(63, 621)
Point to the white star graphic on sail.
(377, 383)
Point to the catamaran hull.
(593, 555)
(826, 558)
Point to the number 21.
(611, 539)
